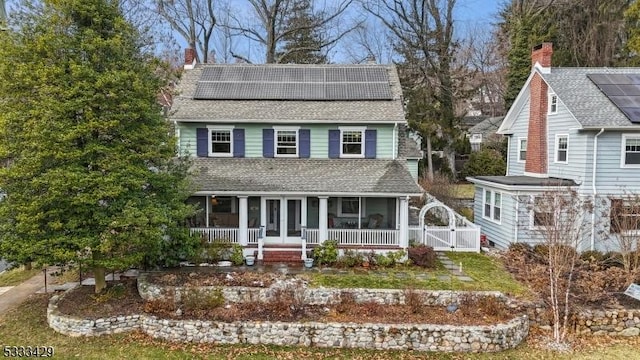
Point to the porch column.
(243, 219)
(403, 227)
(323, 219)
(263, 226)
(207, 201)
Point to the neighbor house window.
(624, 215)
(351, 142)
(562, 148)
(553, 103)
(220, 141)
(542, 214)
(286, 143)
(630, 151)
(492, 205)
(522, 149)
(348, 206)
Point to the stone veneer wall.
(347, 335)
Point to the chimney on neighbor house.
(536, 163)
(189, 58)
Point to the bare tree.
(433, 80)
(624, 215)
(370, 41)
(560, 221)
(272, 28)
(194, 20)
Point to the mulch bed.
(212, 278)
(82, 302)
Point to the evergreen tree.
(302, 41)
(91, 174)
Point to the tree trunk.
(99, 275)
(28, 266)
(429, 159)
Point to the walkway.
(19, 293)
(453, 268)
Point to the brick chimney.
(189, 58)
(536, 163)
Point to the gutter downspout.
(395, 136)
(594, 189)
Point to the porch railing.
(253, 235)
(364, 237)
(313, 236)
(210, 234)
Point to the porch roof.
(304, 176)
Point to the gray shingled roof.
(185, 108)
(582, 97)
(304, 176)
(487, 126)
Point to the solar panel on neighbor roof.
(623, 90)
(293, 83)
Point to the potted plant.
(250, 260)
(308, 262)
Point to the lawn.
(27, 326)
(488, 275)
(464, 191)
(17, 276)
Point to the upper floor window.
(351, 142)
(562, 148)
(630, 156)
(286, 143)
(522, 149)
(553, 103)
(492, 205)
(220, 141)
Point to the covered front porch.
(296, 222)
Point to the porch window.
(562, 148)
(492, 205)
(630, 151)
(522, 149)
(286, 143)
(352, 143)
(624, 215)
(348, 206)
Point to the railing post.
(303, 237)
(260, 242)
(243, 220)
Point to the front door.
(285, 219)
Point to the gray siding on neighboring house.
(412, 164)
(610, 177)
(519, 129)
(501, 234)
(563, 123)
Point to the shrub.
(389, 259)
(612, 259)
(195, 300)
(592, 256)
(487, 305)
(423, 256)
(414, 301)
(326, 253)
(287, 302)
(351, 258)
(237, 255)
(485, 162)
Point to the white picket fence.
(443, 238)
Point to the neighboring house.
(484, 132)
(568, 127)
(290, 155)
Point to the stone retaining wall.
(313, 296)
(608, 322)
(345, 335)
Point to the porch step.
(280, 256)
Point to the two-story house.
(290, 155)
(568, 127)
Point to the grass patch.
(464, 191)
(28, 322)
(17, 276)
(488, 273)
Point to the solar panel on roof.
(623, 90)
(293, 83)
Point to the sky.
(470, 15)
